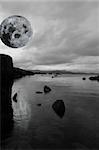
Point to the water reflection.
(40, 127)
(21, 109)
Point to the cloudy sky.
(65, 34)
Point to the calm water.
(40, 127)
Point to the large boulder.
(59, 108)
(6, 82)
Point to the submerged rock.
(59, 107)
(15, 97)
(38, 104)
(47, 89)
(84, 78)
(39, 92)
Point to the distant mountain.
(59, 72)
(19, 73)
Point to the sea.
(38, 126)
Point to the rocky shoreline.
(94, 78)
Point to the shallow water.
(40, 127)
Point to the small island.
(94, 78)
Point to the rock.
(39, 92)
(15, 97)
(84, 78)
(6, 82)
(59, 107)
(47, 89)
(38, 104)
(94, 78)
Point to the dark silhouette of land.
(7, 75)
(6, 82)
(19, 73)
(60, 72)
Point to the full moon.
(15, 31)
